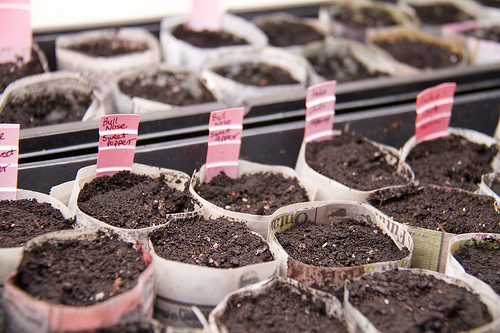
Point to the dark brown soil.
(353, 161)
(206, 38)
(79, 272)
(131, 327)
(256, 74)
(258, 194)
(167, 87)
(24, 219)
(339, 243)
(482, 260)
(456, 212)
(284, 33)
(279, 309)
(451, 162)
(46, 108)
(441, 14)
(401, 301)
(495, 185)
(491, 3)
(217, 243)
(420, 54)
(108, 47)
(490, 33)
(132, 201)
(364, 17)
(9, 72)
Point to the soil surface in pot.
(25, 219)
(482, 260)
(132, 201)
(495, 185)
(456, 212)
(130, 327)
(167, 87)
(11, 71)
(79, 272)
(403, 301)
(351, 160)
(256, 74)
(217, 243)
(284, 33)
(364, 17)
(279, 309)
(441, 14)
(452, 162)
(47, 108)
(108, 47)
(489, 33)
(207, 39)
(259, 194)
(420, 54)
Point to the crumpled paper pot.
(485, 186)
(11, 256)
(256, 223)
(24, 313)
(333, 307)
(355, 319)
(174, 178)
(321, 212)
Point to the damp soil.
(206, 38)
(428, 207)
(108, 47)
(441, 14)
(24, 219)
(167, 87)
(80, 271)
(256, 74)
(216, 243)
(352, 160)
(453, 161)
(45, 108)
(403, 301)
(482, 260)
(495, 185)
(488, 33)
(283, 33)
(364, 17)
(129, 327)
(10, 71)
(132, 201)
(259, 193)
(280, 308)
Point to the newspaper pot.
(332, 278)
(488, 185)
(235, 94)
(11, 256)
(173, 178)
(25, 313)
(160, 78)
(324, 301)
(256, 223)
(357, 320)
(330, 189)
(49, 88)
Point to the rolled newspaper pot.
(256, 223)
(487, 185)
(235, 94)
(174, 178)
(331, 305)
(181, 53)
(25, 313)
(332, 278)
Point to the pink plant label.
(16, 37)
(205, 15)
(224, 142)
(9, 154)
(320, 111)
(434, 107)
(117, 139)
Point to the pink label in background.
(9, 156)
(16, 37)
(434, 107)
(117, 140)
(205, 15)
(320, 111)
(224, 142)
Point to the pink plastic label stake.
(16, 37)
(320, 111)
(205, 15)
(224, 142)
(9, 156)
(434, 107)
(117, 139)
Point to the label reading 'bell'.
(320, 111)
(205, 15)
(9, 156)
(16, 37)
